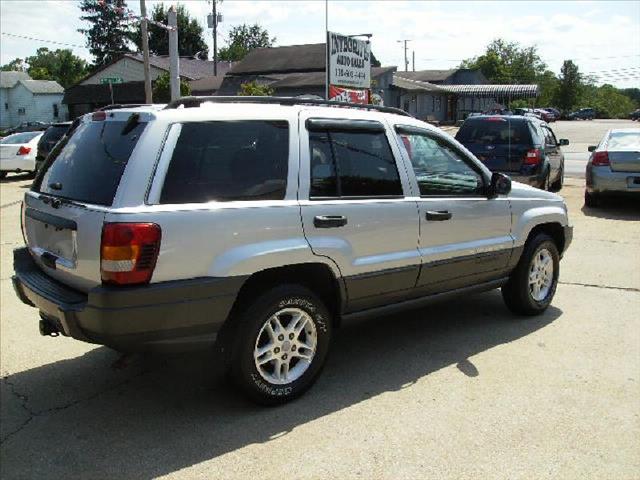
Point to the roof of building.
(428, 75)
(415, 85)
(290, 58)
(42, 86)
(10, 78)
(314, 79)
(206, 84)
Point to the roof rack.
(118, 106)
(190, 102)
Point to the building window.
(21, 111)
(55, 110)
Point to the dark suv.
(523, 147)
(582, 114)
(49, 139)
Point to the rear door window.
(493, 131)
(87, 165)
(226, 161)
(352, 164)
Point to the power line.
(44, 41)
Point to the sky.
(602, 37)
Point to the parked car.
(614, 166)
(545, 115)
(522, 147)
(635, 115)
(263, 223)
(28, 127)
(582, 114)
(526, 112)
(48, 140)
(555, 112)
(18, 153)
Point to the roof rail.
(190, 102)
(117, 106)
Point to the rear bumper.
(177, 315)
(601, 180)
(17, 164)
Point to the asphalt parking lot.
(457, 390)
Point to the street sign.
(348, 62)
(107, 80)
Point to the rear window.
(87, 166)
(624, 141)
(499, 131)
(55, 133)
(18, 138)
(225, 161)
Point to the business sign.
(340, 94)
(348, 61)
(107, 80)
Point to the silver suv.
(263, 224)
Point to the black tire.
(3, 175)
(251, 320)
(559, 183)
(516, 292)
(591, 200)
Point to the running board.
(422, 301)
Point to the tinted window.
(18, 138)
(88, 165)
(53, 134)
(224, 161)
(352, 164)
(493, 131)
(550, 138)
(439, 167)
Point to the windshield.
(18, 138)
(87, 165)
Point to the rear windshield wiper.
(132, 122)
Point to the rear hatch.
(624, 151)
(64, 211)
(499, 142)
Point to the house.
(294, 70)
(23, 99)
(451, 95)
(126, 76)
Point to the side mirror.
(500, 184)
(563, 142)
(592, 148)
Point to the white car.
(18, 152)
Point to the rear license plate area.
(46, 240)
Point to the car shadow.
(615, 208)
(163, 414)
(17, 177)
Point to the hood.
(520, 190)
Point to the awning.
(493, 91)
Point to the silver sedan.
(614, 166)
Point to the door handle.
(329, 221)
(438, 216)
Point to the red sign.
(340, 94)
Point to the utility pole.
(215, 38)
(414, 60)
(406, 59)
(174, 65)
(145, 53)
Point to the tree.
(608, 101)
(59, 65)
(242, 39)
(570, 86)
(190, 39)
(508, 63)
(255, 89)
(108, 34)
(162, 88)
(15, 65)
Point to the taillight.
(23, 150)
(99, 116)
(600, 159)
(128, 252)
(533, 157)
